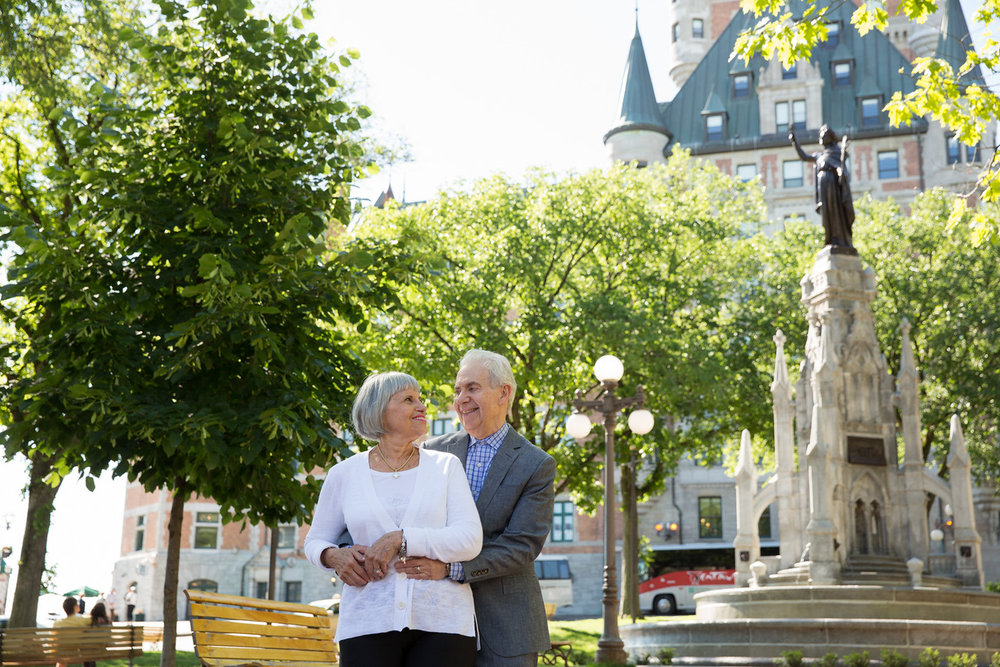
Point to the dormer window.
(714, 127)
(842, 73)
(870, 108)
(790, 72)
(697, 28)
(832, 34)
(741, 85)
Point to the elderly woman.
(397, 500)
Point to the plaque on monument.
(866, 451)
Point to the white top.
(440, 522)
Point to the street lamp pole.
(608, 369)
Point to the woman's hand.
(380, 554)
(349, 563)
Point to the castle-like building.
(739, 116)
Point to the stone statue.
(833, 188)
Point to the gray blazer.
(515, 507)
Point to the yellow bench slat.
(258, 654)
(202, 625)
(223, 639)
(220, 599)
(268, 616)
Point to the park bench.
(45, 646)
(558, 650)
(235, 630)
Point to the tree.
(934, 277)
(948, 92)
(51, 55)
(196, 302)
(555, 272)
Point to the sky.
(475, 88)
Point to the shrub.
(890, 658)
(993, 587)
(666, 656)
(577, 657)
(962, 660)
(857, 659)
(929, 658)
(789, 659)
(995, 660)
(828, 660)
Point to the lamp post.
(609, 370)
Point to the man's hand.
(423, 568)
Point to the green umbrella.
(82, 592)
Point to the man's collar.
(494, 439)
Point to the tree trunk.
(34, 543)
(272, 563)
(630, 543)
(169, 655)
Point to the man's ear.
(505, 393)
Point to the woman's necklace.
(395, 470)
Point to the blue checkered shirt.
(477, 465)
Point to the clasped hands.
(358, 564)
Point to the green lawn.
(584, 634)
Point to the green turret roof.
(877, 65)
(955, 41)
(638, 107)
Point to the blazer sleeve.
(522, 539)
(328, 520)
(461, 536)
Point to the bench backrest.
(236, 630)
(44, 646)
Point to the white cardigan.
(441, 522)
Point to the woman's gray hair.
(373, 397)
(497, 368)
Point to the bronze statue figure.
(833, 188)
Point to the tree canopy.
(554, 272)
(945, 91)
(176, 302)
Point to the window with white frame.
(675, 32)
(791, 173)
(697, 28)
(741, 85)
(206, 530)
(954, 149)
(798, 114)
(888, 164)
(713, 127)
(790, 72)
(781, 116)
(140, 532)
(288, 536)
(746, 172)
(832, 35)
(870, 107)
(563, 512)
(709, 517)
(442, 425)
(842, 73)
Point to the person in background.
(130, 600)
(112, 605)
(98, 617)
(73, 619)
(512, 481)
(397, 501)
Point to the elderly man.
(512, 481)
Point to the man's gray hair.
(373, 397)
(497, 368)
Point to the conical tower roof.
(955, 41)
(638, 109)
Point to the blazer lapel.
(502, 461)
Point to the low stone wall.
(745, 642)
